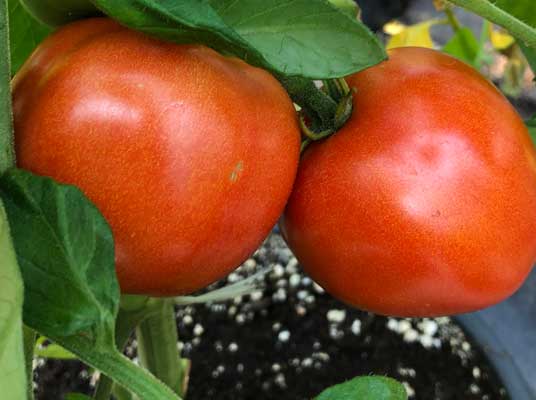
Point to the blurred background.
(466, 36)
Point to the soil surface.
(290, 340)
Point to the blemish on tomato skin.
(235, 173)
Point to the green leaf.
(65, 251)
(365, 387)
(350, 7)
(531, 125)
(12, 367)
(299, 36)
(180, 22)
(25, 34)
(51, 350)
(310, 38)
(464, 46)
(59, 12)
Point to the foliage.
(64, 247)
(25, 34)
(366, 387)
(279, 35)
(12, 373)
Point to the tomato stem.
(240, 288)
(125, 372)
(323, 110)
(157, 347)
(120, 393)
(319, 107)
(336, 88)
(126, 322)
(29, 336)
(7, 154)
(491, 12)
(451, 18)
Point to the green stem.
(157, 347)
(317, 105)
(125, 324)
(120, 393)
(452, 20)
(484, 35)
(29, 346)
(7, 160)
(336, 88)
(491, 12)
(7, 154)
(229, 292)
(104, 388)
(125, 372)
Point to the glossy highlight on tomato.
(189, 155)
(424, 203)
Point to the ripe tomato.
(189, 155)
(58, 12)
(424, 203)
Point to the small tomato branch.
(452, 20)
(157, 347)
(126, 322)
(316, 104)
(323, 111)
(240, 288)
(7, 154)
(126, 373)
(29, 336)
(491, 12)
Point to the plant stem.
(240, 288)
(316, 104)
(7, 154)
(125, 324)
(125, 372)
(104, 388)
(451, 18)
(29, 346)
(491, 12)
(7, 160)
(157, 347)
(120, 393)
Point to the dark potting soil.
(290, 340)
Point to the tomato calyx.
(338, 90)
(322, 110)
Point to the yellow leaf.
(393, 27)
(500, 39)
(411, 35)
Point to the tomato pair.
(424, 203)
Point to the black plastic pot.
(507, 334)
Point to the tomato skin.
(189, 155)
(424, 203)
(59, 12)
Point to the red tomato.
(424, 203)
(189, 155)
